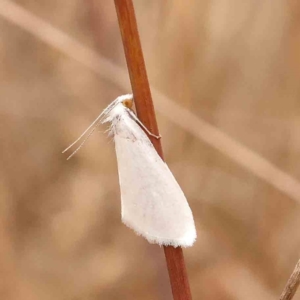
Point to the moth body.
(152, 202)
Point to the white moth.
(152, 202)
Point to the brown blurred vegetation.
(234, 64)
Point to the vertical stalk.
(145, 111)
(292, 284)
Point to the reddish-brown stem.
(146, 113)
(292, 284)
(136, 68)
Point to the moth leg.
(141, 124)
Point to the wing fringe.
(186, 241)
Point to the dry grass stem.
(292, 284)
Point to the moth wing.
(152, 202)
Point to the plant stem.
(145, 111)
(292, 284)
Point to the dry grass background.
(234, 64)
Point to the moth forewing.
(152, 202)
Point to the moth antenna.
(104, 112)
(97, 119)
(83, 142)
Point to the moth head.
(128, 102)
(124, 100)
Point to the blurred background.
(229, 64)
